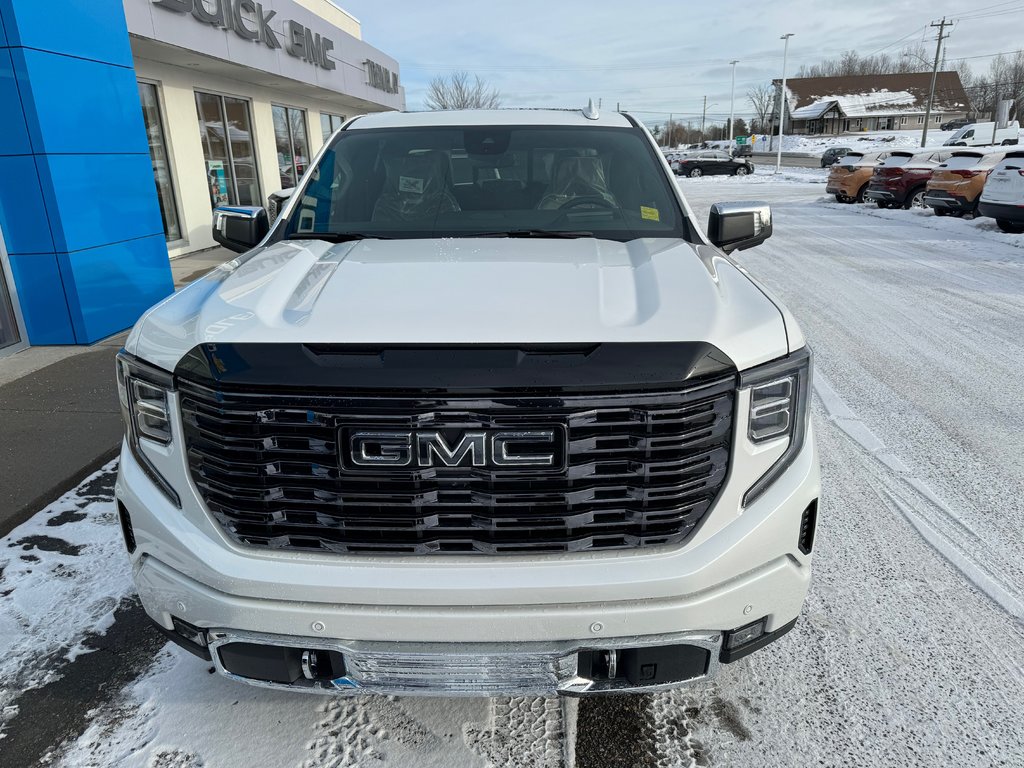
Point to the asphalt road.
(768, 161)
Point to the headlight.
(779, 403)
(143, 392)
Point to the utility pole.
(668, 139)
(703, 117)
(935, 71)
(732, 97)
(782, 100)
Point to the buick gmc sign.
(250, 21)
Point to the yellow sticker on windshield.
(651, 214)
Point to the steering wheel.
(598, 200)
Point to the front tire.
(695, 173)
(741, 171)
(860, 194)
(1010, 227)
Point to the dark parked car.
(899, 182)
(955, 124)
(832, 154)
(708, 162)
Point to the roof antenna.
(591, 112)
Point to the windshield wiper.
(336, 237)
(560, 233)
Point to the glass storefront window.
(9, 334)
(330, 123)
(225, 126)
(292, 144)
(161, 164)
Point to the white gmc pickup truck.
(482, 412)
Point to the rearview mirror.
(240, 227)
(738, 226)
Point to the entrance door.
(10, 328)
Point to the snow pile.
(62, 574)
(875, 140)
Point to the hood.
(468, 291)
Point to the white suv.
(483, 412)
(1003, 196)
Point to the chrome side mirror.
(240, 227)
(738, 226)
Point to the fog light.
(744, 635)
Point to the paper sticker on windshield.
(651, 214)
(410, 184)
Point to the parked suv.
(830, 155)
(955, 124)
(482, 412)
(709, 162)
(1003, 196)
(899, 182)
(849, 177)
(957, 183)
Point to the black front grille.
(642, 470)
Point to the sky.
(658, 57)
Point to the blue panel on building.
(3, 31)
(105, 285)
(22, 211)
(76, 105)
(41, 294)
(13, 133)
(95, 200)
(78, 206)
(90, 29)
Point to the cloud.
(655, 57)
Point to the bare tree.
(458, 91)
(911, 58)
(762, 99)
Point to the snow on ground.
(869, 140)
(62, 574)
(910, 646)
(764, 173)
(978, 228)
(180, 715)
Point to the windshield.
(460, 182)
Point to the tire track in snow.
(939, 525)
(522, 731)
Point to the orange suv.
(849, 177)
(957, 183)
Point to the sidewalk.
(59, 416)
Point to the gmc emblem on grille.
(495, 449)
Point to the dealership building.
(127, 121)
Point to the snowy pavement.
(909, 651)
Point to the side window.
(968, 135)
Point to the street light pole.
(782, 100)
(732, 97)
(703, 117)
(935, 71)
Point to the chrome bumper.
(485, 669)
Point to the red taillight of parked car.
(888, 172)
(965, 174)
